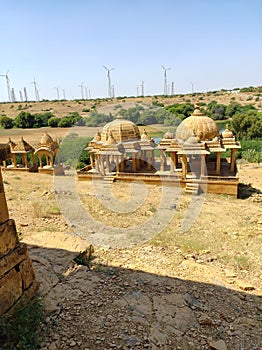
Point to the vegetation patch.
(21, 330)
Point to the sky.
(208, 44)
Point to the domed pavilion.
(119, 147)
(193, 154)
(47, 149)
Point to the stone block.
(4, 216)
(8, 237)
(10, 290)
(27, 272)
(13, 258)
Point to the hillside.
(106, 106)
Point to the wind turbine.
(8, 85)
(110, 90)
(165, 78)
(82, 90)
(36, 90)
(142, 87)
(25, 93)
(57, 91)
(64, 94)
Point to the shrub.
(53, 122)
(6, 122)
(21, 330)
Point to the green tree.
(233, 108)
(24, 120)
(6, 122)
(53, 122)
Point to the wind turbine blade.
(106, 68)
(163, 67)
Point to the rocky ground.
(199, 290)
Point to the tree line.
(245, 120)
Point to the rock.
(72, 343)
(218, 345)
(205, 320)
(52, 346)
(244, 285)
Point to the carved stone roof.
(202, 126)
(47, 143)
(22, 147)
(121, 129)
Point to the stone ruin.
(17, 278)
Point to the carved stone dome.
(46, 139)
(122, 130)
(203, 127)
(227, 133)
(169, 135)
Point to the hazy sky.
(213, 44)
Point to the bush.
(21, 330)
(72, 150)
(53, 122)
(252, 155)
(6, 122)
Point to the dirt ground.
(195, 290)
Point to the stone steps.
(108, 179)
(192, 188)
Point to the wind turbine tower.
(82, 90)
(36, 90)
(64, 94)
(172, 88)
(142, 87)
(165, 79)
(111, 91)
(57, 91)
(8, 85)
(25, 93)
(13, 98)
(21, 95)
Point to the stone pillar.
(40, 160)
(218, 163)
(92, 160)
(203, 165)
(107, 164)
(184, 165)
(133, 162)
(122, 164)
(3, 206)
(172, 162)
(232, 160)
(149, 165)
(162, 160)
(137, 162)
(97, 162)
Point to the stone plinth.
(17, 278)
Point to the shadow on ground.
(246, 190)
(113, 307)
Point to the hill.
(83, 107)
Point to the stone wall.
(17, 278)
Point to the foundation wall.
(17, 278)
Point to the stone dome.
(122, 130)
(169, 135)
(46, 139)
(226, 134)
(203, 127)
